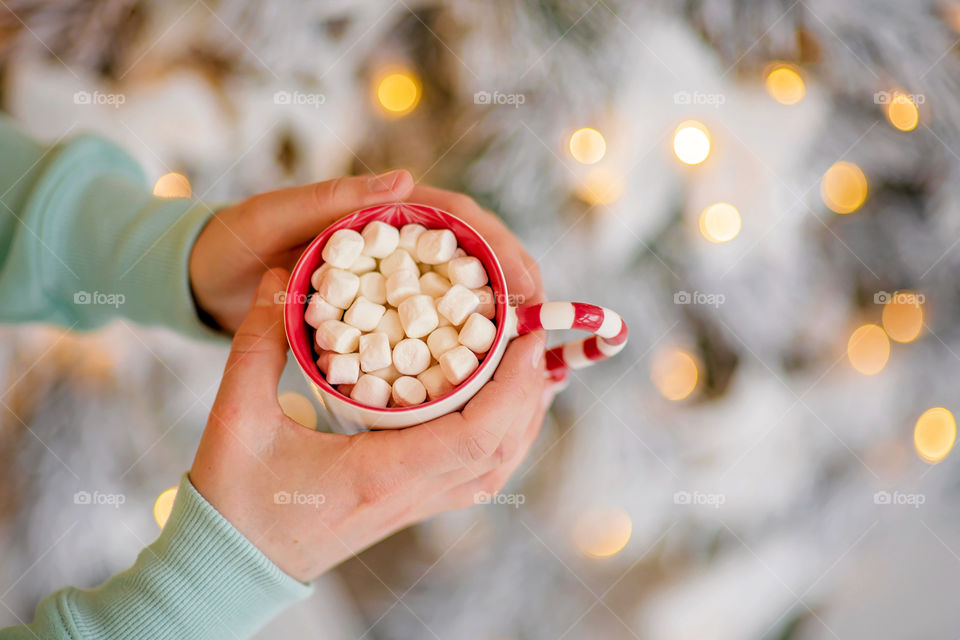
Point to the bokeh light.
(903, 316)
(844, 187)
(163, 506)
(601, 186)
(785, 84)
(868, 349)
(674, 372)
(720, 222)
(298, 408)
(603, 531)
(934, 434)
(399, 92)
(587, 146)
(172, 185)
(691, 142)
(901, 111)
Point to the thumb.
(294, 216)
(259, 350)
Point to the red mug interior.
(300, 334)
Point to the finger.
(521, 270)
(258, 352)
(472, 439)
(466, 493)
(294, 216)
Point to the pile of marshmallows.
(401, 315)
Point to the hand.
(272, 230)
(351, 491)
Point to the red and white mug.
(608, 329)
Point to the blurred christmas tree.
(749, 183)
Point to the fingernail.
(547, 396)
(267, 295)
(383, 182)
(538, 350)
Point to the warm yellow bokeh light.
(172, 185)
(785, 84)
(587, 146)
(163, 506)
(298, 408)
(691, 142)
(602, 532)
(602, 186)
(399, 92)
(934, 434)
(674, 373)
(903, 316)
(844, 187)
(720, 222)
(902, 112)
(868, 349)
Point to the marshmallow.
(374, 352)
(477, 333)
(388, 373)
(434, 284)
(317, 275)
(323, 361)
(436, 245)
(443, 267)
(343, 368)
(342, 248)
(397, 260)
(408, 392)
(408, 237)
(363, 264)
(435, 382)
(418, 315)
(443, 321)
(379, 239)
(339, 287)
(457, 364)
(442, 340)
(401, 285)
(319, 310)
(457, 303)
(333, 335)
(487, 308)
(467, 271)
(390, 325)
(371, 390)
(373, 287)
(363, 314)
(411, 356)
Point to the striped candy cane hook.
(608, 328)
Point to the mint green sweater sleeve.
(200, 579)
(83, 239)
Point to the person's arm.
(83, 239)
(200, 579)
